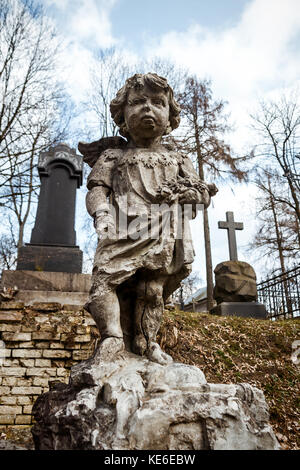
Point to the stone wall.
(38, 344)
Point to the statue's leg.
(139, 344)
(148, 316)
(152, 320)
(104, 307)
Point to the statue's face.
(146, 113)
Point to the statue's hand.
(192, 196)
(212, 189)
(104, 225)
(166, 193)
(189, 196)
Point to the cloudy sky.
(249, 49)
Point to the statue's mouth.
(148, 119)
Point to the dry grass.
(235, 350)
(227, 350)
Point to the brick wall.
(38, 344)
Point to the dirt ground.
(16, 438)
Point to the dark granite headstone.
(52, 245)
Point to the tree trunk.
(181, 298)
(297, 229)
(295, 199)
(21, 235)
(207, 245)
(209, 269)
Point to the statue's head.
(140, 91)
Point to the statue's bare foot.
(108, 349)
(155, 354)
(139, 345)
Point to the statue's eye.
(134, 102)
(138, 101)
(159, 102)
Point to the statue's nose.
(146, 106)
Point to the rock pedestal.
(235, 291)
(131, 403)
(235, 281)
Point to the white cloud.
(245, 61)
(251, 53)
(84, 26)
(76, 63)
(85, 20)
(90, 21)
(60, 4)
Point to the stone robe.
(143, 187)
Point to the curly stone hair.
(138, 81)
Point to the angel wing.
(91, 152)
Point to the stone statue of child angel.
(136, 270)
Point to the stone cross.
(231, 227)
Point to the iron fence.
(281, 295)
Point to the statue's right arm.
(99, 184)
(96, 200)
(99, 209)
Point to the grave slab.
(241, 309)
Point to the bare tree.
(108, 74)
(34, 111)
(19, 194)
(175, 75)
(7, 251)
(277, 126)
(186, 289)
(277, 237)
(205, 123)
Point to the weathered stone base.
(47, 286)
(132, 403)
(52, 258)
(240, 309)
(46, 281)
